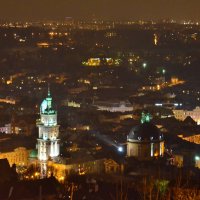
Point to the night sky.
(103, 9)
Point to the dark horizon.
(102, 9)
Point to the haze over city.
(102, 9)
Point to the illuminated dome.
(145, 141)
(33, 153)
(144, 132)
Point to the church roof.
(188, 120)
(33, 153)
(145, 132)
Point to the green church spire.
(49, 93)
(47, 105)
(146, 117)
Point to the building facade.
(123, 106)
(182, 114)
(18, 156)
(48, 142)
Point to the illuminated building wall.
(145, 150)
(155, 40)
(61, 171)
(123, 106)
(96, 62)
(19, 156)
(6, 129)
(182, 114)
(150, 88)
(9, 101)
(112, 167)
(178, 160)
(193, 138)
(9, 129)
(48, 142)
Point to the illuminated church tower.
(48, 142)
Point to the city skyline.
(122, 116)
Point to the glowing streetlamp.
(120, 149)
(144, 65)
(197, 158)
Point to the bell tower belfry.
(48, 142)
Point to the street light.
(144, 65)
(120, 149)
(197, 158)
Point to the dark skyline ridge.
(102, 9)
(94, 19)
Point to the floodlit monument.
(48, 142)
